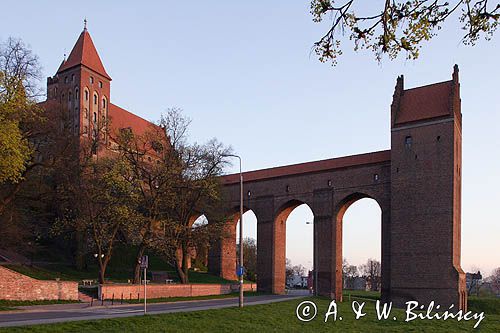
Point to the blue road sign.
(240, 270)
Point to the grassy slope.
(275, 317)
(119, 269)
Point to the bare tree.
(495, 280)
(177, 182)
(372, 272)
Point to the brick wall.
(169, 290)
(16, 286)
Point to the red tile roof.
(84, 53)
(309, 167)
(121, 118)
(425, 102)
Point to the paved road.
(72, 312)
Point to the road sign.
(240, 271)
(144, 262)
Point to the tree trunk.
(137, 266)
(181, 264)
(80, 250)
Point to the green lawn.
(277, 317)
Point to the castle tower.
(82, 85)
(426, 161)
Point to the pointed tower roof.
(84, 53)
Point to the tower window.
(100, 84)
(77, 95)
(91, 79)
(95, 99)
(408, 141)
(103, 103)
(65, 79)
(376, 177)
(86, 95)
(95, 117)
(72, 77)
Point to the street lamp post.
(240, 268)
(315, 259)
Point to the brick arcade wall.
(18, 287)
(169, 290)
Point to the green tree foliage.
(398, 25)
(19, 71)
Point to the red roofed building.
(83, 86)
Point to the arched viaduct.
(417, 185)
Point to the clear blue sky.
(244, 72)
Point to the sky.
(244, 73)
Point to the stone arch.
(278, 257)
(339, 211)
(222, 251)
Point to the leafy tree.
(398, 25)
(249, 258)
(19, 72)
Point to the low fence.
(135, 291)
(15, 286)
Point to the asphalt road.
(73, 312)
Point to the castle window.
(95, 117)
(77, 95)
(72, 77)
(104, 103)
(100, 84)
(376, 177)
(408, 141)
(65, 79)
(95, 99)
(86, 113)
(86, 95)
(91, 79)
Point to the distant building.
(297, 281)
(355, 283)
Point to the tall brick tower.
(82, 85)
(426, 161)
